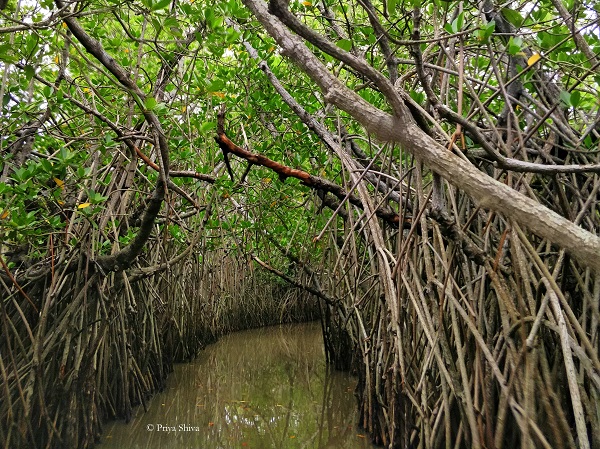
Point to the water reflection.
(264, 388)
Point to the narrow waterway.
(264, 388)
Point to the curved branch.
(125, 258)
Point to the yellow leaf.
(218, 94)
(83, 205)
(307, 3)
(59, 183)
(61, 202)
(533, 59)
(56, 59)
(4, 215)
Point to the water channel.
(265, 389)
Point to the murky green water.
(264, 388)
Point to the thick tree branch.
(489, 193)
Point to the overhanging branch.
(314, 182)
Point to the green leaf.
(161, 4)
(176, 31)
(185, 8)
(344, 44)
(575, 98)
(96, 197)
(215, 86)
(458, 23)
(150, 103)
(46, 166)
(549, 40)
(170, 22)
(232, 36)
(29, 72)
(209, 15)
(515, 44)
(419, 97)
(489, 28)
(207, 126)
(6, 55)
(565, 97)
(512, 16)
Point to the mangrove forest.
(421, 178)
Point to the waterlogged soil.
(264, 388)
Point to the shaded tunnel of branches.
(425, 179)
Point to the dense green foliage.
(81, 117)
